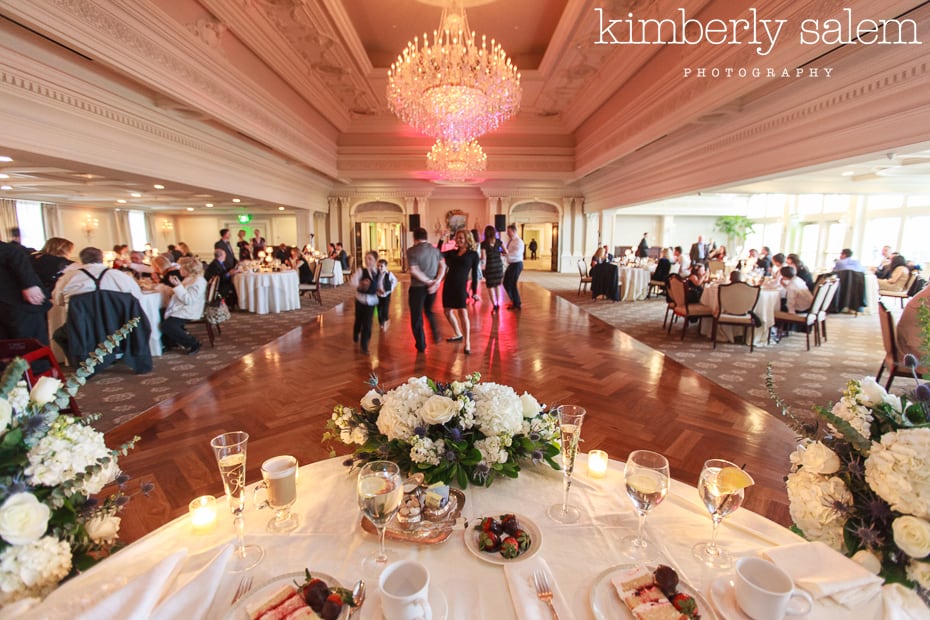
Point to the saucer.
(724, 598)
(437, 604)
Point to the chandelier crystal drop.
(453, 89)
(457, 161)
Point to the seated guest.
(297, 262)
(163, 269)
(51, 261)
(749, 263)
(600, 256)
(694, 284)
(736, 276)
(884, 266)
(765, 260)
(186, 304)
(122, 259)
(282, 253)
(796, 296)
(85, 278)
(608, 255)
(847, 262)
(778, 261)
(911, 338)
(223, 244)
(800, 270)
(184, 251)
(682, 260)
(718, 253)
(136, 265)
(173, 253)
(331, 251)
(218, 267)
(342, 256)
(663, 267)
(897, 277)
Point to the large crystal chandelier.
(456, 161)
(453, 89)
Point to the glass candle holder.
(597, 463)
(203, 514)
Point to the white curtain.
(8, 218)
(51, 219)
(123, 234)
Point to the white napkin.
(903, 604)
(826, 573)
(523, 591)
(137, 598)
(194, 586)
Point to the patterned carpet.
(803, 378)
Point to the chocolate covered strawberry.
(523, 539)
(510, 548)
(489, 541)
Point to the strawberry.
(523, 539)
(510, 548)
(332, 607)
(489, 541)
(686, 605)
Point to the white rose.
(438, 409)
(912, 536)
(458, 387)
(868, 560)
(819, 459)
(894, 400)
(530, 405)
(23, 519)
(919, 572)
(103, 529)
(6, 414)
(44, 390)
(872, 393)
(371, 401)
(359, 435)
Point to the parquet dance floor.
(283, 393)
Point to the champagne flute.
(570, 419)
(646, 477)
(721, 487)
(230, 449)
(380, 491)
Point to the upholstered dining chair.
(901, 295)
(893, 361)
(834, 285)
(314, 287)
(584, 277)
(41, 363)
(328, 271)
(676, 290)
(805, 320)
(213, 287)
(735, 305)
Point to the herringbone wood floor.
(283, 393)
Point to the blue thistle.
(482, 471)
(449, 455)
(454, 433)
(122, 479)
(147, 488)
(122, 500)
(348, 462)
(537, 457)
(534, 436)
(911, 361)
(854, 467)
(420, 431)
(879, 510)
(922, 393)
(869, 537)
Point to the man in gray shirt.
(426, 272)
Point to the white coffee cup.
(766, 592)
(279, 482)
(404, 590)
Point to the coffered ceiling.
(303, 82)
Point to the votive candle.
(597, 463)
(203, 514)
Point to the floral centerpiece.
(860, 480)
(462, 431)
(51, 468)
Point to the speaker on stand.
(414, 221)
(500, 222)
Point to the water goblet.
(380, 491)
(230, 450)
(721, 487)
(570, 419)
(646, 479)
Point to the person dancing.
(460, 262)
(514, 250)
(492, 266)
(365, 280)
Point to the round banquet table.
(768, 304)
(329, 539)
(267, 292)
(634, 283)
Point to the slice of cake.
(285, 603)
(661, 610)
(638, 590)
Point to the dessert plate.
(606, 603)
(471, 541)
(724, 599)
(238, 611)
(438, 605)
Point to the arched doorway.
(539, 222)
(379, 226)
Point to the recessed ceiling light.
(280, 208)
(236, 200)
(209, 205)
(136, 195)
(158, 186)
(848, 173)
(4, 175)
(190, 208)
(5, 158)
(117, 210)
(121, 201)
(6, 187)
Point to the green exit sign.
(244, 218)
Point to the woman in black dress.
(51, 261)
(460, 262)
(245, 248)
(492, 267)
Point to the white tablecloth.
(329, 539)
(268, 292)
(768, 304)
(634, 283)
(338, 278)
(871, 294)
(152, 302)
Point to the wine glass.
(646, 477)
(380, 491)
(721, 487)
(229, 449)
(570, 419)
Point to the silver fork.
(242, 589)
(544, 592)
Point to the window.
(31, 227)
(914, 243)
(879, 231)
(138, 236)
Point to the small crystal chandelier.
(453, 89)
(457, 161)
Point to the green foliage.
(735, 227)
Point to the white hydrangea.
(498, 409)
(68, 449)
(19, 397)
(425, 450)
(811, 499)
(898, 470)
(34, 569)
(400, 411)
(493, 449)
(859, 416)
(919, 572)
